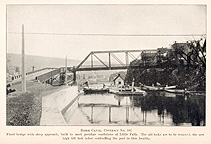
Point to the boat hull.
(151, 88)
(92, 91)
(176, 91)
(128, 93)
(156, 88)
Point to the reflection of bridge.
(100, 60)
(129, 110)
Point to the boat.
(127, 92)
(95, 90)
(170, 87)
(152, 88)
(183, 91)
(156, 88)
(177, 91)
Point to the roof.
(182, 46)
(163, 50)
(148, 55)
(117, 77)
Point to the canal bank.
(56, 104)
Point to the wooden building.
(118, 81)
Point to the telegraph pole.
(23, 63)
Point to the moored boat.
(169, 87)
(127, 93)
(156, 88)
(152, 88)
(184, 91)
(135, 92)
(95, 90)
(176, 91)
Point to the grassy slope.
(24, 109)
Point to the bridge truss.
(103, 60)
(108, 60)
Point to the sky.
(76, 30)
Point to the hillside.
(14, 60)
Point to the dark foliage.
(191, 75)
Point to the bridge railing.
(47, 76)
(28, 73)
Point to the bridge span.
(100, 60)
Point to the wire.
(115, 35)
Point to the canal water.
(154, 109)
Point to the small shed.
(118, 81)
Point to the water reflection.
(183, 109)
(156, 108)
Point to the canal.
(154, 109)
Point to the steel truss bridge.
(112, 61)
(94, 62)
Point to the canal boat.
(127, 93)
(170, 87)
(152, 88)
(156, 88)
(95, 90)
(177, 91)
(183, 91)
(135, 92)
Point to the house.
(149, 56)
(185, 47)
(118, 81)
(181, 51)
(163, 54)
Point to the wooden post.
(163, 116)
(52, 81)
(132, 100)
(127, 114)
(145, 117)
(91, 60)
(74, 75)
(66, 70)
(160, 119)
(92, 115)
(109, 114)
(133, 85)
(23, 63)
(109, 59)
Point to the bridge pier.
(74, 75)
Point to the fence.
(28, 73)
(49, 75)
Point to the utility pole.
(66, 70)
(23, 63)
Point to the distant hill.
(14, 60)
